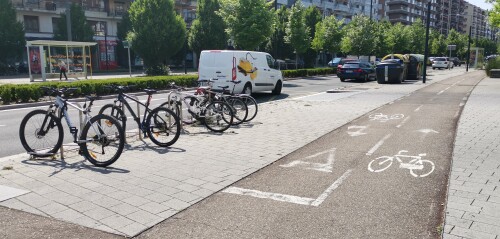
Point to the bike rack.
(80, 117)
(138, 114)
(180, 110)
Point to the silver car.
(442, 62)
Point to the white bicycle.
(418, 167)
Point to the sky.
(481, 3)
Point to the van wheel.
(277, 88)
(247, 89)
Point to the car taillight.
(358, 70)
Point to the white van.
(254, 69)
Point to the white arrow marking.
(322, 167)
(356, 133)
(426, 131)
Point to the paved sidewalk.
(149, 184)
(473, 207)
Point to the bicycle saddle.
(149, 91)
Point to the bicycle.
(416, 163)
(251, 103)
(239, 107)
(99, 133)
(217, 116)
(157, 124)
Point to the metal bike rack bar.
(80, 117)
(170, 103)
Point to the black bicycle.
(101, 140)
(160, 124)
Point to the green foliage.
(416, 34)
(328, 35)
(27, 92)
(494, 14)
(208, 29)
(308, 72)
(158, 32)
(277, 44)
(312, 17)
(454, 38)
(157, 70)
(11, 34)
(492, 64)
(399, 39)
(438, 45)
(490, 47)
(359, 37)
(80, 29)
(381, 39)
(249, 22)
(6, 93)
(297, 32)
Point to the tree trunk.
(296, 61)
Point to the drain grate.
(338, 91)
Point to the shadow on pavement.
(61, 165)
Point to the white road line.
(403, 122)
(300, 97)
(417, 109)
(441, 92)
(330, 189)
(268, 195)
(379, 143)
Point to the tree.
(297, 33)
(11, 34)
(312, 17)
(416, 34)
(359, 37)
(381, 39)
(248, 22)
(398, 39)
(494, 14)
(158, 32)
(208, 29)
(328, 35)
(438, 46)
(80, 29)
(489, 46)
(277, 43)
(124, 27)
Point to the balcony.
(405, 2)
(398, 9)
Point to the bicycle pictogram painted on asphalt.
(418, 167)
(384, 118)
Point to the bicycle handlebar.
(59, 92)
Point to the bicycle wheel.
(251, 107)
(218, 116)
(115, 111)
(381, 164)
(174, 106)
(41, 133)
(164, 126)
(426, 169)
(102, 140)
(239, 108)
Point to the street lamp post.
(468, 50)
(371, 9)
(426, 53)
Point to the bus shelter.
(476, 57)
(44, 57)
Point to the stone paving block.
(154, 207)
(462, 200)
(107, 202)
(83, 206)
(447, 229)
(99, 213)
(34, 200)
(19, 205)
(483, 227)
(468, 233)
(465, 207)
(494, 199)
(473, 179)
(470, 195)
(185, 196)
(449, 236)
(454, 212)
(466, 188)
(53, 208)
(67, 215)
(463, 223)
(203, 192)
(187, 187)
(167, 190)
(132, 229)
(136, 200)
(194, 181)
(167, 213)
(116, 221)
(143, 217)
(176, 204)
(158, 197)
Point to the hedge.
(32, 92)
(308, 72)
(493, 63)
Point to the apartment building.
(345, 9)
(477, 21)
(452, 15)
(408, 11)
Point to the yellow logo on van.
(246, 68)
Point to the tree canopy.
(328, 35)
(359, 37)
(80, 29)
(158, 32)
(208, 29)
(11, 35)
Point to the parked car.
(442, 63)
(456, 61)
(343, 61)
(356, 70)
(334, 62)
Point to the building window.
(98, 27)
(55, 24)
(31, 24)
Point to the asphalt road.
(343, 185)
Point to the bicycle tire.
(174, 106)
(54, 123)
(252, 107)
(95, 123)
(378, 167)
(218, 113)
(239, 108)
(116, 112)
(424, 174)
(159, 123)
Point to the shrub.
(23, 93)
(493, 63)
(308, 72)
(6, 94)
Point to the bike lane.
(383, 175)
